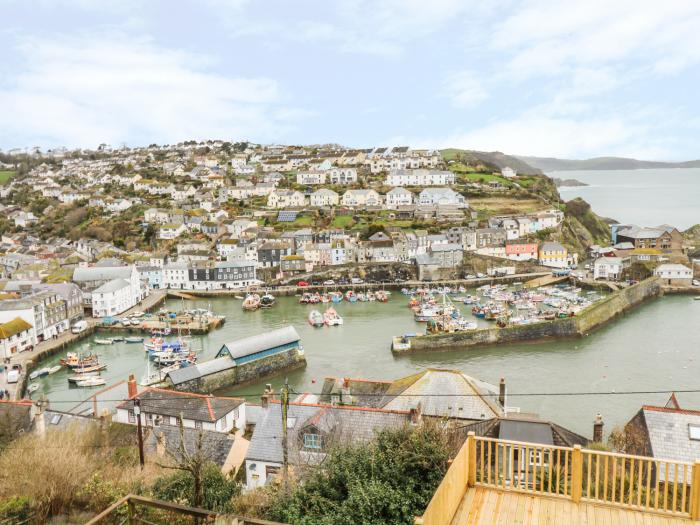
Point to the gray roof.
(349, 424)
(206, 368)
(216, 445)
(669, 434)
(260, 342)
(112, 286)
(191, 406)
(472, 399)
(526, 431)
(96, 273)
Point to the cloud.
(465, 89)
(89, 89)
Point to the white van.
(79, 326)
(13, 376)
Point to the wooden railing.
(632, 482)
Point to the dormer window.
(312, 441)
(694, 432)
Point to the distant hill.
(548, 164)
(494, 160)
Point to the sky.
(562, 78)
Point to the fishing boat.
(135, 322)
(54, 369)
(118, 339)
(381, 296)
(32, 388)
(251, 302)
(325, 298)
(401, 342)
(104, 341)
(133, 339)
(91, 368)
(81, 377)
(351, 296)
(336, 297)
(362, 297)
(306, 298)
(73, 360)
(267, 301)
(315, 318)
(91, 382)
(331, 317)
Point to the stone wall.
(593, 317)
(247, 372)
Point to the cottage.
(608, 268)
(311, 178)
(554, 255)
(360, 198)
(16, 336)
(441, 196)
(521, 251)
(675, 274)
(397, 197)
(342, 176)
(324, 197)
(280, 198)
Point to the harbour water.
(656, 347)
(644, 197)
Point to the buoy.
(313, 381)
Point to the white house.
(675, 274)
(420, 177)
(443, 196)
(354, 198)
(324, 197)
(342, 176)
(165, 407)
(115, 295)
(398, 197)
(508, 172)
(16, 335)
(281, 198)
(311, 177)
(171, 231)
(175, 275)
(608, 268)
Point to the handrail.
(642, 483)
(132, 500)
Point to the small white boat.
(136, 322)
(401, 342)
(105, 341)
(34, 375)
(251, 302)
(91, 382)
(32, 388)
(267, 301)
(133, 339)
(315, 318)
(54, 369)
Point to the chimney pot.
(502, 392)
(598, 429)
(131, 385)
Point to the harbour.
(653, 347)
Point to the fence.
(580, 475)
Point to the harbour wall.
(245, 373)
(585, 321)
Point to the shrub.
(179, 488)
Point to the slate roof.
(216, 445)
(667, 429)
(192, 406)
(473, 399)
(260, 342)
(112, 286)
(96, 273)
(525, 431)
(349, 424)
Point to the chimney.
(131, 383)
(502, 392)
(40, 420)
(267, 396)
(415, 414)
(598, 429)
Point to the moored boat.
(251, 302)
(331, 317)
(267, 301)
(32, 388)
(91, 382)
(105, 341)
(315, 318)
(134, 339)
(54, 369)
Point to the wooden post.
(576, 474)
(132, 512)
(695, 491)
(471, 459)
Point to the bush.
(388, 481)
(179, 488)
(16, 509)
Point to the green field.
(342, 221)
(5, 176)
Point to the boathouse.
(241, 361)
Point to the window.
(132, 417)
(198, 425)
(312, 441)
(694, 432)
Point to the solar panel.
(286, 216)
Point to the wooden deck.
(482, 506)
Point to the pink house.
(521, 251)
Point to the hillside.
(548, 164)
(489, 160)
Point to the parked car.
(302, 283)
(13, 376)
(316, 283)
(329, 282)
(79, 327)
(356, 280)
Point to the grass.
(467, 174)
(6, 175)
(342, 221)
(504, 205)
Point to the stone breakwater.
(587, 320)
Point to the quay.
(581, 324)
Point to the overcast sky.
(560, 78)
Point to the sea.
(648, 197)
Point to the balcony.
(497, 481)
